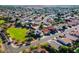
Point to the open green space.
(18, 33)
(2, 22)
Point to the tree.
(33, 47)
(1, 17)
(76, 44)
(41, 26)
(30, 35)
(49, 48)
(53, 50)
(17, 19)
(44, 45)
(8, 18)
(64, 27)
(76, 50)
(65, 49)
(18, 24)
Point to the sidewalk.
(14, 46)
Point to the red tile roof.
(50, 28)
(45, 30)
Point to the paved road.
(10, 49)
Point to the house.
(54, 44)
(49, 30)
(72, 22)
(48, 19)
(75, 34)
(61, 27)
(46, 31)
(38, 33)
(52, 29)
(39, 50)
(35, 26)
(65, 41)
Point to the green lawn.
(17, 33)
(2, 22)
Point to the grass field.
(17, 33)
(2, 22)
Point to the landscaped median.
(17, 34)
